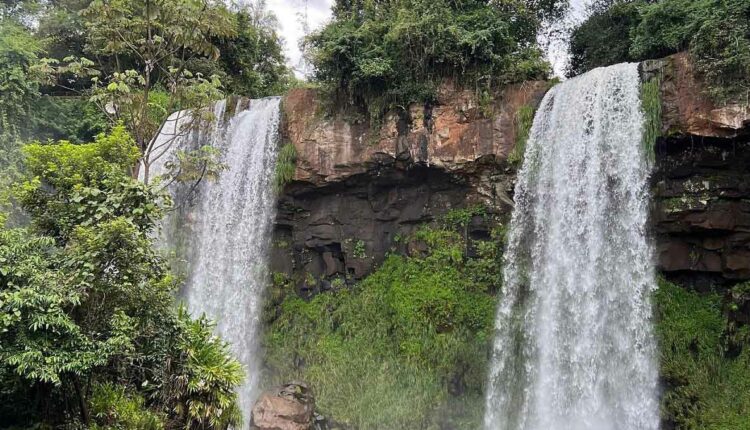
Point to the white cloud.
(292, 16)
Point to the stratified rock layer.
(702, 208)
(358, 190)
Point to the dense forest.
(92, 334)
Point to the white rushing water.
(224, 235)
(574, 348)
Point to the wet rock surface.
(329, 236)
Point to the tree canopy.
(715, 32)
(386, 54)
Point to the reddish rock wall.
(451, 135)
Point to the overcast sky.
(292, 15)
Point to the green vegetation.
(90, 334)
(407, 347)
(378, 56)
(130, 63)
(715, 32)
(286, 165)
(18, 52)
(651, 102)
(604, 38)
(64, 118)
(705, 370)
(524, 121)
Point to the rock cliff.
(701, 214)
(359, 188)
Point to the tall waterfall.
(224, 235)
(574, 348)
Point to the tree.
(716, 33)
(604, 38)
(86, 301)
(253, 61)
(386, 54)
(147, 45)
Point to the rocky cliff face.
(358, 188)
(701, 214)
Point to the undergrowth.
(707, 376)
(405, 348)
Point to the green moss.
(524, 121)
(406, 348)
(286, 164)
(707, 388)
(651, 103)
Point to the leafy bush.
(707, 387)
(384, 55)
(407, 347)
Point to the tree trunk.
(81, 401)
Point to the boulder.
(287, 407)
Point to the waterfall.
(574, 347)
(224, 235)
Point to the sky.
(293, 14)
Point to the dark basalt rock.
(344, 230)
(701, 214)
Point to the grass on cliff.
(651, 103)
(286, 164)
(524, 121)
(406, 348)
(705, 361)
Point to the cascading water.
(574, 348)
(223, 237)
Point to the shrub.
(113, 408)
